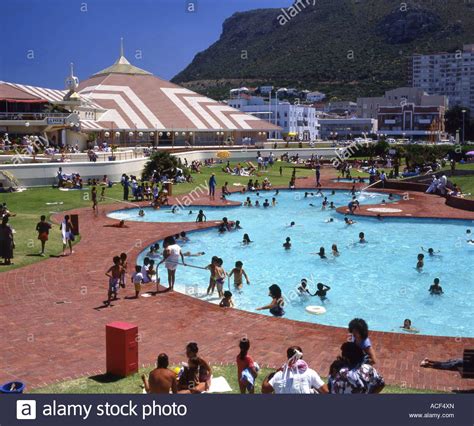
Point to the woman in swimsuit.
(277, 303)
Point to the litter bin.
(75, 224)
(121, 342)
(169, 188)
(12, 387)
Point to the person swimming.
(246, 239)
(237, 225)
(430, 251)
(335, 251)
(303, 288)
(330, 220)
(322, 291)
(287, 243)
(141, 213)
(408, 328)
(362, 239)
(348, 221)
(291, 224)
(420, 263)
(435, 289)
(321, 253)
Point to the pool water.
(376, 281)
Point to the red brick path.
(43, 341)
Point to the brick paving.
(53, 327)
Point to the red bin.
(121, 348)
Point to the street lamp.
(463, 125)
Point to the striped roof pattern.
(145, 102)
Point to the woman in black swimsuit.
(277, 303)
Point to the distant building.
(298, 122)
(346, 128)
(412, 122)
(449, 74)
(315, 96)
(342, 107)
(369, 107)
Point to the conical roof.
(122, 66)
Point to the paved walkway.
(53, 327)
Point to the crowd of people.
(351, 372)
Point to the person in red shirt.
(247, 370)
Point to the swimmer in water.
(333, 192)
(291, 225)
(436, 289)
(303, 288)
(190, 212)
(321, 253)
(362, 239)
(277, 192)
(274, 202)
(391, 197)
(237, 225)
(330, 220)
(322, 291)
(287, 243)
(189, 254)
(257, 204)
(141, 213)
(430, 251)
(335, 251)
(266, 203)
(174, 209)
(348, 221)
(420, 263)
(408, 328)
(246, 240)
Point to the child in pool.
(141, 213)
(201, 217)
(303, 288)
(321, 253)
(430, 251)
(227, 301)
(348, 221)
(220, 277)
(408, 328)
(335, 251)
(435, 288)
(287, 243)
(322, 291)
(330, 220)
(238, 272)
(362, 239)
(237, 225)
(420, 263)
(274, 202)
(246, 240)
(212, 279)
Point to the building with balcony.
(412, 122)
(298, 122)
(369, 107)
(448, 74)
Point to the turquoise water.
(376, 281)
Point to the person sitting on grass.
(294, 377)
(359, 334)
(161, 380)
(349, 374)
(203, 369)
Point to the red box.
(121, 341)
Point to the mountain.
(344, 48)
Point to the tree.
(454, 121)
(164, 164)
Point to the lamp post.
(463, 125)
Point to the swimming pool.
(376, 281)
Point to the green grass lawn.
(132, 384)
(31, 204)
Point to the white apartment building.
(449, 74)
(298, 122)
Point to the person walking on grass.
(43, 227)
(212, 186)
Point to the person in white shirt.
(434, 185)
(137, 280)
(171, 256)
(295, 377)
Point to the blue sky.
(41, 37)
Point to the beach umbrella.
(223, 154)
